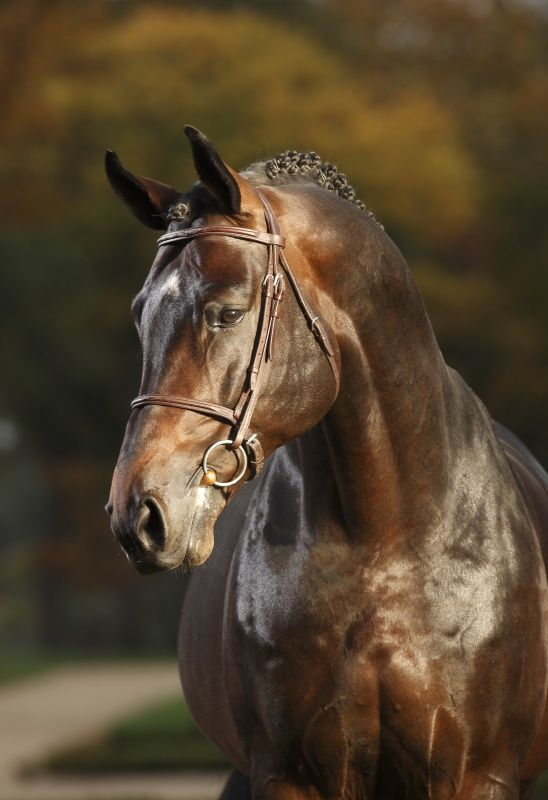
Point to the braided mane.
(287, 167)
(294, 167)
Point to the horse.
(366, 615)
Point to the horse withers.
(367, 612)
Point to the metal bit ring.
(238, 450)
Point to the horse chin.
(209, 504)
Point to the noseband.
(247, 446)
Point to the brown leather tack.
(239, 418)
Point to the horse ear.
(234, 194)
(149, 200)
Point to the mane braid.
(287, 167)
(310, 167)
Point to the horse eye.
(230, 316)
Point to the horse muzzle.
(158, 533)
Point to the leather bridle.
(246, 445)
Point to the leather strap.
(248, 234)
(273, 288)
(313, 320)
(199, 406)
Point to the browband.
(248, 234)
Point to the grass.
(18, 667)
(541, 789)
(162, 738)
(15, 668)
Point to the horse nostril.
(109, 508)
(151, 527)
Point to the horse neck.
(388, 435)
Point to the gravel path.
(199, 786)
(41, 715)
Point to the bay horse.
(369, 617)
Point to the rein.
(247, 447)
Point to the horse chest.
(335, 715)
(330, 670)
(369, 671)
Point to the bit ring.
(238, 450)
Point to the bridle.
(246, 445)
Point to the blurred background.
(435, 109)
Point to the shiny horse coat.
(368, 617)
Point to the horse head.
(230, 373)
